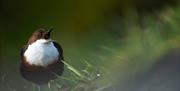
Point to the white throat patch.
(42, 53)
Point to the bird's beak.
(48, 33)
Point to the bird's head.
(41, 35)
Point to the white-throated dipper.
(41, 58)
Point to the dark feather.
(22, 52)
(39, 74)
(60, 50)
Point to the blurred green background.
(115, 45)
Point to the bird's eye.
(46, 36)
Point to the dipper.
(41, 58)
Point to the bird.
(41, 58)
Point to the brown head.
(41, 33)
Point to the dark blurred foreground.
(164, 75)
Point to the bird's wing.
(60, 50)
(22, 51)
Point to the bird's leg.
(34, 87)
(58, 87)
(49, 85)
(39, 88)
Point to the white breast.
(41, 53)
